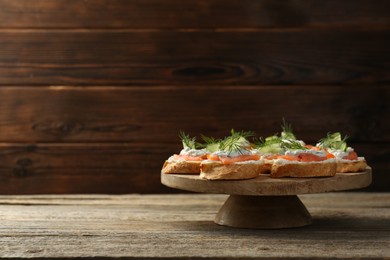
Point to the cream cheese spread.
(261, 161)
(193, 152)
(281, 161)
(339, 154)
(320, 153)
(348, 161)
(232, 153)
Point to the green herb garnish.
(242, 134)
(334, 141)
(278, 144)
(236, 142)
(261, 142)
(187, 141)
(292, 145)
(210, 144)
(287, 132)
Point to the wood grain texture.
(81, 181)
(99, 155)
(115, 139)
(263, 184)
(346, 225)
(156, 114)
(189, 14)
(263, 212)
(93, 93)
(116, 168)
(214, 57)
(82, 168)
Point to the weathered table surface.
(346, 225)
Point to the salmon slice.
(230, 160)
(351, 156)
(188, 158)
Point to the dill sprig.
(236, 142)
(287, 131)
(259, 142)
(271, 140)
(334, 141)
(280, 143)
(271, 144)
(232, 144)
(211, 144)
(292, 145)
(188, 142)
(209, 140)
(243, 134)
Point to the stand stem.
(263, 212)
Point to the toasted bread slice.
(351, 165)
(181, 166)
(266, 167)
(282, 168)
(215, 170)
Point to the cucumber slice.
(212, 147)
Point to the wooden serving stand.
(264, 202)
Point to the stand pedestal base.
(263, 212)
(264, 202)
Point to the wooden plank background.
(93, 94)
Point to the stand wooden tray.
(265, 202)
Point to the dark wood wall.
(93, 93)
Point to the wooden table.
(346, 225)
